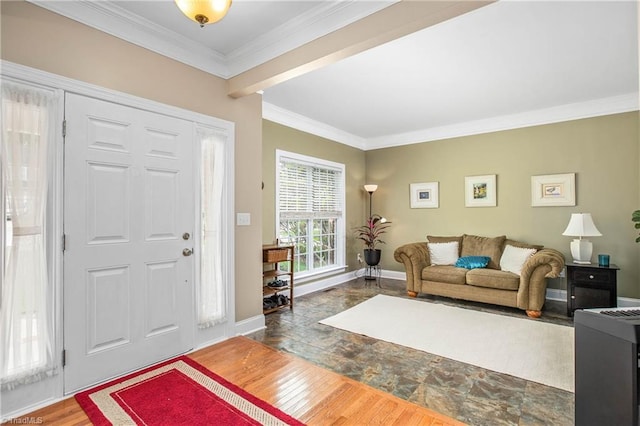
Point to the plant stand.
(372, 273)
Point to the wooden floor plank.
(329, 407)
(312, 394)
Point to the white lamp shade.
(581, 225)
(370, 188)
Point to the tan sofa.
(489, 284)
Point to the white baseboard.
(628, 302)
(250, 325)
(394, 275)
(556, 294)
(322, 284)
(335, 280)
(16, 417)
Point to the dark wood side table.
(591, 286)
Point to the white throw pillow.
(514, 258)
(443, 253)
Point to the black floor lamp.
(370, 189)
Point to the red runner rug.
(177, 392)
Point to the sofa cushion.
(514, 258)
(445, 274)
(443, 253)
(491, 278)
(522, 245)
(437, 239)
(472, 262)
(473, 245)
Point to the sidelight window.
(212, 297)
(26, 294)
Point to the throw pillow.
(514, 258)
(439, 239)
(473, 245)
(473, 262)
(443, 253)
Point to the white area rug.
(521, 347)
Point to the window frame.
(340, 244)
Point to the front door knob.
(187, 252)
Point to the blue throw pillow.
(473, 262)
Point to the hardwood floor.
(307, 392)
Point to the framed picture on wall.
(480, 191)
(553, 190)
(424, 195)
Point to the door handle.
(187, 252)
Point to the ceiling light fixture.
(204, 11)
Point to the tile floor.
(470, 394)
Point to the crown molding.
(575, 111)
(112, 19)
(300, 122)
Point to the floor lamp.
(370, 188)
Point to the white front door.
(128, 215)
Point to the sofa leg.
(412, 293)
(534, 314)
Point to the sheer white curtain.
(212, 300)
(25, 321)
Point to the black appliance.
(606, 366)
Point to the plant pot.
(372, 256)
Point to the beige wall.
(40, 39)
(276, 136)
(602, 151)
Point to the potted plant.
(635, 217)
(370, 233)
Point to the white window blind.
(310, 211)
(309, 191)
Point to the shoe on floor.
(282, 300)
(269, 303)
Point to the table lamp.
(581, 225)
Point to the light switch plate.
(243, 219)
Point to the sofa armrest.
(546, 263)
(415, 257)
(551, 257)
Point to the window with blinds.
(310, 211)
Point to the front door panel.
(129, 197)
